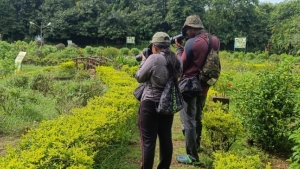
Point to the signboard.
(240, 42)
(19, 59)
(130, 40)
(69, 42)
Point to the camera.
(146, 52)
(179, 37)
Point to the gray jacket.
(155, 74)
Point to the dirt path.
(8, 140)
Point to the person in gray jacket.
(154, 72)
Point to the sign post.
(69, 42)
(240, 43)
(19, 59)
(130, 40)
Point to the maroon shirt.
(194, 55)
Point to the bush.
(41, 82)
(227, 160)
(111, 52)
(124, 51)
(66, 70)
(268, 107)
(84, 138)
(135, 51)
(250, 56)
(20, 81)
(60, 46)
(221, 129)
(89, 51)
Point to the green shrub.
(88, 50)
(82, 75)
(60, 46)
(224, 54)
(66, 70)
(84, 138)
(124, 51)
(221, 129)
(250, 56)
(228, 160)
(268, 105)
(111, 52)
(135, 51)
(20, 81)
(41, 82)
(295, 158)
(22, 108)
(263, 56)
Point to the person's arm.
(145, 69)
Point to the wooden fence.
(93, 61)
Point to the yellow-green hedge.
(73, 141)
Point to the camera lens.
(178, 37)
(138, 58)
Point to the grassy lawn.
(29, 68)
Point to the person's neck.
(200, 31)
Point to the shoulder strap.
(209, 45)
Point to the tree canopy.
(89, 21)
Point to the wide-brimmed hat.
(193, 21)
(160, 37)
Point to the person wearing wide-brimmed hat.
(193, 56)
(155, 72)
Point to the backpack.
(171, 100)
(212, 66)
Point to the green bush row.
(79, 140)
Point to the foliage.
(124, 51)
(267, 106)
(60, 46)
(22, 109)
(219, 131)
(111, 52)
(286, 28)
(229, 160)
(295, 158)
(66, 70)
(80, 140)
(135, 51)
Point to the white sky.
(272, 1)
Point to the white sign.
(240, 42)
(69, 42)
(19, 59)
(130, 40)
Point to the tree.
(286, 28)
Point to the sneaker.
(186, 159)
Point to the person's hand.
(178, 44)
(143, 56)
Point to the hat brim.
(191, 25)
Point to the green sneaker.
(186, 159)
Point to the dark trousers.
(151, 125)
(200, 103)
(191, 116)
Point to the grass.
(30, 68)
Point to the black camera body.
(146, 52)
(179, 37)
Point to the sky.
(272, 1)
